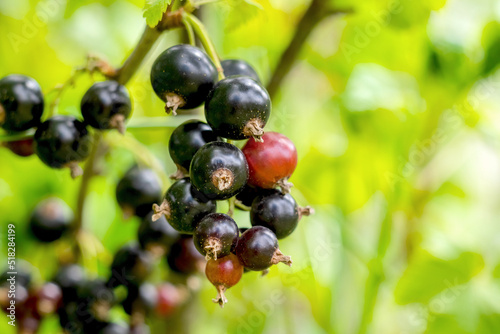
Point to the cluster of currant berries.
(211, 169)
(60, 141)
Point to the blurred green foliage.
(394, 110)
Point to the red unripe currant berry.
(22, 148)
(170, 297)
(224, 273)
(271, 162)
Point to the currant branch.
(316, 12)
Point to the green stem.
(17, 136)
(189, 30)
(232, 203)
(203, 35)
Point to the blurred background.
(394, 109)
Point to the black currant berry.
(114, 328)
(234, 67)
(106, 105)
(257, 249)
(50, 219)
(249, 193)
(131, 265)
(215, 234)
(184, 206)
(137, 191)
(182, 76)
(95, 300)
(21, 103)
(63, 141)
(48, 299)
(238, 108)
(278, 212)
(184, 258)
(186, 140)
(156, 236)
(142, 298)
(219, 170)
(70, 278)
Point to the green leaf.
(496, 271)
(240, 12)
(491, 44)
(154, 10)
(444, 324)
(428, 275)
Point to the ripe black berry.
(186, 140)
(215, 234)
(233, 67)
(131, 265)
(50, 219)
(257, 249)
(156, 236)
(70, 278)
(219, 170)
(63, 141)
(224, 273)
(142, 298)
(48, 299)
(114, 328)
(21, 103)
(106, 105)
(249, 193)
(278, 212)
(184, 258)
(94, 302)
(184, 206)
(182, 76)
(137, 191)
(238, 108)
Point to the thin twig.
(316, 12)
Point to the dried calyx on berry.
(278, 212)
(257, 249)
(224, 273)
(238, 108)
(271, 162)
(184, 206)
(182, 76)
(215, 235)
(106, 105)
(219, 170)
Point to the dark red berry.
(184, 258)
(234, 67)
(137, 191)
(182, 76)
(50, 219)
(271, 162)
(63, 141)
(170, 297)
(257, 249)
(184, 206)
(106, 105)
(156, 236)
(131, 265)
(49, 298)
(22, 148)
(238, 108)
(219, 170)
(278, 212)
(21, 103)
(186, 140)
(224, 273)
(215, 234)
